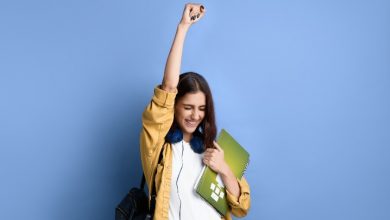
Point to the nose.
(195, 115)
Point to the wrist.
(183, 26)
(225, 170)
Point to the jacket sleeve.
(240, 206)
(157, 119)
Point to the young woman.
(179, 124)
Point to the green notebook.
(209, 185)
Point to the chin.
(189, 130)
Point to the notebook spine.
(244, 170)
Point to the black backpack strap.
(154, 194)
(142, 186)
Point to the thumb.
(216, 145)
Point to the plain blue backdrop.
(303, 85)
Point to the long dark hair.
(191, 82)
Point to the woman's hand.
(192, 13)
(214, 158)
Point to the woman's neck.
(187, 137)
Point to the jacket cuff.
(242, 202)
(164, 98)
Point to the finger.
(202, 10)
(208, 156)
(191, 10)
(213, 158)
(199, 14)
(194, 15)
(210, 150)
(188, 9)
(216, 145)
(212, 153)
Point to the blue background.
(303, 85)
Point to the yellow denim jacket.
(156, 122)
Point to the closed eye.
(190, 107)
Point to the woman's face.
(189, 113)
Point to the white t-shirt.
(185, 203)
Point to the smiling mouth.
(191, 123)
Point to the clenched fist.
(192, 13)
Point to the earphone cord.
(177, 180)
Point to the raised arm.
(191, 14)
(158, 116)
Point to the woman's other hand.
(192, 13)
(214, 158)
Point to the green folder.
(209, 185)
